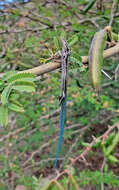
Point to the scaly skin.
(65, 54)
(62, 124)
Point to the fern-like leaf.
(21, 76)
(56, 43)
(73, 40)
(8, 75)
(22, 85)
(15, 106)
(4, 115)
(14, 96)
(75, 60)
(5, 94)
(2, 85)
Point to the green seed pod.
(96, 58)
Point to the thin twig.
(70, 151)
(35, 152)
(102, 168)
(113, 10)
(11, 134)
(43, 161)
(25, 30)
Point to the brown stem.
(42, 69)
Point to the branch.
(24, 30)
(102, 137)
(42, 69)
(11, 134)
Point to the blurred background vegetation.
(29, 33)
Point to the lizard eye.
(64, 56)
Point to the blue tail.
(62, 124)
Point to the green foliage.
(14, 96)
(9, 55)
(24, 86)
(110, 139)
(75, 60)
(15, 106)
(21, 76)
(97, 177)
(8, 75)
(2, 85)
(56, 43)
(5, 94)
(89, 6)
(16, 83)
(4, 115)
(109, 146)
(16, 12)
(31, 40)
(73, 40)
(85, 179)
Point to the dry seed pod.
(117, 72)
(96, 57)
